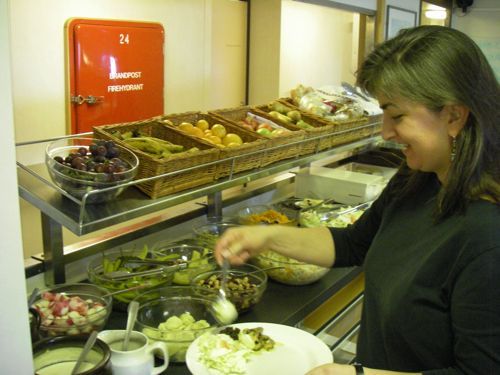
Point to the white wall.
(316, 46)
(292, 42)
(482, 23)
(15, 356)
(38, 70)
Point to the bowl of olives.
(244, 288)
(82, 165)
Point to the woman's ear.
(457, 116)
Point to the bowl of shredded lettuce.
(288, 270)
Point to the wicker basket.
(150, 166)
(368, 129)
(339, 126)
(278, 148)
(321, 129)
(252, 143)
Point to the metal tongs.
(123, 274)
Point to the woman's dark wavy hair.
(435, 66)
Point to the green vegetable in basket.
(278, 107)
(304, 125)
(294, 115)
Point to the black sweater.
(432, 293)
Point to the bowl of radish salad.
(72, 309)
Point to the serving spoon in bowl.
(223, 309)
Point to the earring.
(453, 148)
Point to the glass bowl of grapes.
(82, 165)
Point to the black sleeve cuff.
(359, 369)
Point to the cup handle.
(162, 348)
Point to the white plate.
(298, 352)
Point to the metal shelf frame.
(59, 209)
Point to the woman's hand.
(310, 245)
(337, 369)
(333, 369)
(241, 243)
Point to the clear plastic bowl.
(197, 259)
(159, 305)
(208, 234)
(98, 272)
(263, 214)
(72, 309)
(79, 182)
(243, 299)
(292, 272)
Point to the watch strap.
(359, 369)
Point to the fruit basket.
(80, 165)
(346, 131)
(162, 149)
(314, 127)
(281, 146)
(231, 139)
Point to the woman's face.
(423, 133)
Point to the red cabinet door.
(115, 72)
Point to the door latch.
(90, 99)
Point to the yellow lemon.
(202, 124)
(197, 132)
(185, 126)
(214, 139)
(232, 138)
(218, 130)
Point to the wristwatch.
(359, 369)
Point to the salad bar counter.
(281, 304)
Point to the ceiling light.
(436, 14)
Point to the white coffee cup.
(139, 358)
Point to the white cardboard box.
(375, 170)
(342, 185)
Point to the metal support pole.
(214, 205)
(53, 251)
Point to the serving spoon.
(133, 307)
(224, 310)
(33, 296)
(86, 349)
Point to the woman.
(430, 244)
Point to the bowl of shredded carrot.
(263, 214)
